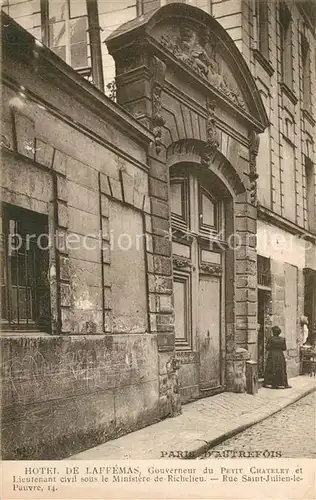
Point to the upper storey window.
(208, 211)
(201, 4)
(193, 207)
(113, 14)
(67, 29)
(62, 25)
(306, 73)
(286, 46)
(262, 27)
(179, 200)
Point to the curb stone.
(197, 451)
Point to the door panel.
(290, 293)
(261, 330)
(209, 332)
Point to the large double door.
(198, 260)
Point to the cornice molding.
(307, 18)
(289, 93)
(265, 214)
(81, 128)
(263, 61)
(212, 269)
(309, 117)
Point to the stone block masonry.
(96, 376)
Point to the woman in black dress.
(275, 373)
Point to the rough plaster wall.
(61, 395)
(128, 269)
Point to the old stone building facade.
(149, 243)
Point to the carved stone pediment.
(196, 47)
(182, 34)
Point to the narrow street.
(290, 432)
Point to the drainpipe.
(95, 44)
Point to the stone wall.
(63, 394)
(84, 165)
(281, 167)
(288, 122)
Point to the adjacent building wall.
(282, 188)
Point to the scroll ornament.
(253, 174)
(210, 269)
(157, 119)
(212, 141)
(180, 262)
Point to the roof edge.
(19, 41)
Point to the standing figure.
(275, 373)
(304, 323)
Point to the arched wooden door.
(198, 272)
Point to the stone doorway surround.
(179, 73)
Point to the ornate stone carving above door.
(211, 269)
(201, 60)
(197, 49)
(212, 141)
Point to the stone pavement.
(202, 425)
(291, 433)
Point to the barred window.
(264, 271)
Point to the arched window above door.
(179, 200)
(194, 205)
(208, 211)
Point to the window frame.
(203, 227)
(93, 71)
(48, 24)
(262, 27)
(309, 172)
(185, 343)
(286, 52)
(177, 220)
(264, 272)
(306, 74)
(27, 256)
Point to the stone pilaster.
(104, 193)
(253, 174)
(61, 235)
(246, 275)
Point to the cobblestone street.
(291, 432)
